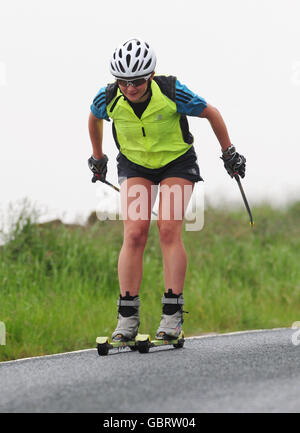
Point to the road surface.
(255, 371)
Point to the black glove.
(234, 162)
(98, 167)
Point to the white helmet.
(133, 59)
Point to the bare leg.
(171, 213)
(136, 211)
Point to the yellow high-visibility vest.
(159, 136)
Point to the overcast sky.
(242, 56)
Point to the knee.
(168, 233)
(136, 237)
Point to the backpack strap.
(167, 84)
(110, 92)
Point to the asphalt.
(241, 372)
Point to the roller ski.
(127, 327)
(170, 331)
(144, 342)
(105, 344)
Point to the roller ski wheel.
(103, 349)
(180, 343)
(104, 345)
(177, 343)
(133, 348)
(144, 342)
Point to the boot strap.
(179, 300)
(133, 303)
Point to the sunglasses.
(134, 83)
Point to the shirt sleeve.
(98, 107)
(187, 102)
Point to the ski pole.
(95, 178)
(237, 178)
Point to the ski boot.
(172, 318)
(129, 318)
(170, 328)
(127, 327)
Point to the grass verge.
(59, 283)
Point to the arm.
(218, 125)
(96, 135)
(98, 161)
(233, 161)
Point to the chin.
(133, 97)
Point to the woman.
(155, 145)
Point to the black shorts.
(185, 166)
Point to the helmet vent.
(129, 48)
(147, 45)
(141, 65)
(135, 66)
(128, 58)
(147, 65)
(112, 66)
(145, 53)
(138, 52)
(120, 53)
(121, 67)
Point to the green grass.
(59, 284)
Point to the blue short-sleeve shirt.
(188, 102)
(98, 107)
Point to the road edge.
(196, 337)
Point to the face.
(136, 94)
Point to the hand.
(234, 162)
(98, 167)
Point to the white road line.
(234, 333)
(196, 337)
(46, 356)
